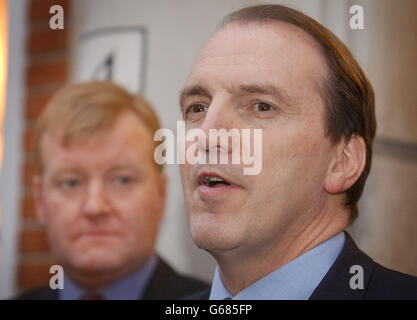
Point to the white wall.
(13, 128)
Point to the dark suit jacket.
(379, 282)
(165, 284)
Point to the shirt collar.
(294, 281)
(130, 287)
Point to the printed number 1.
(104, 70)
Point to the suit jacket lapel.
(336, 284)
(165, 284)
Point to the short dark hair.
(348, 94)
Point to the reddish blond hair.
(83, 109)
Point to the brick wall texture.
(47, 56)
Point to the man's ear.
(347, 165)
(38, 199)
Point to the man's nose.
(96, 202)
(222, 117)
(219, 115)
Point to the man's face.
(101, 200)
(263, 76)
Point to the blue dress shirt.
(294, 281)
(131, 287)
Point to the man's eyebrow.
(195, 90)
(66, 170)
(266, 90)
(122, 167)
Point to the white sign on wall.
(116, 54)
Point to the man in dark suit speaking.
(279, 234)
(101, 196)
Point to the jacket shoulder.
(378, 282)
(389, 284)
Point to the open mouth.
(212, 181)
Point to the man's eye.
(196, 108)
(263, 107)
(123, 180)
(69, 183)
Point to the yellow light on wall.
(3, 72)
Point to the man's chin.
(96, 261)
(214, 242)
(215, 232)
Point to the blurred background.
(149, 47)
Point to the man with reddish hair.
(101, 196)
